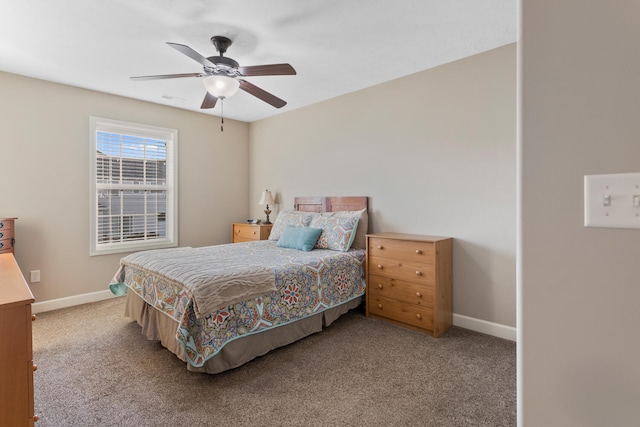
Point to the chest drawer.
(401, 311)
(402, 270)
(6, 234)
(6, 224)
(6, 240)
(422, 252)
(405, 291)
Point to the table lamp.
(267, 199)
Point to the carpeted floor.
(95, 368)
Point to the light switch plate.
(611, 200)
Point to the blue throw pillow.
(301, 238)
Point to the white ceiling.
(336, 46)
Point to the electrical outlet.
(35, 276)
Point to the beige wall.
(436, 154)
(45, 173)
(580, 287)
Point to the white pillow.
(292, 218)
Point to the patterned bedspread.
(306, 283)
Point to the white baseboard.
(489, 328)
(54, 304)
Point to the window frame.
(98, 124)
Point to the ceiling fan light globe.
(221, 86)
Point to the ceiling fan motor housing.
(223, 62)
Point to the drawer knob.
(418, 251)
(237, 231)
(418, 273)
(379, 266)
(33, 317)
(254, 232)
(418, 294)
(35, 368)
(380, 285)
(35, 418)
(380, 306)
(418, 316)
(380, 247)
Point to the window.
(133, 187)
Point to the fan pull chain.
(221, 114)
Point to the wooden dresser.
(249, 232)
(409, 280)
(7, 237)
(16, 358)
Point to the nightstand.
(249, 232)
(409, 280)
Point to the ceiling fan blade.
(168, 76)
(192, 54)
(267, 70)
(209, 101)
(261, 94)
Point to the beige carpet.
(96, 369)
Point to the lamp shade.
(267, 198)
(221, 86)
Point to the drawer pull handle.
(35, 368)
(379, 266)
(35, 418)
(1, 245)
(418, 316)
(380, 285)
(33, 317)
(1, 235)
(380, 247)
(254, 233)
(418, 294)
(418, 251)
(380, 306)
(418, 273)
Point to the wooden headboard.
(329, 204)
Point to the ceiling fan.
(223, 75)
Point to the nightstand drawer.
(250, 232)
(6, 225)
(403, 270)
(413, 293)
(246, 232)
(402, 249)
(411, 314)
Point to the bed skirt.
(159, 327)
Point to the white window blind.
(133, 204)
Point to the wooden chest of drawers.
(409, 280)
(250, 232)
(16, 357)
(7, 238)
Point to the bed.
(268, 293)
